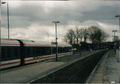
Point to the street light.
(119, 21)
(114, 32)
(114, 40)
(119, 31)
(7, 16)
(55, 22)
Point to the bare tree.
(81, 33)
(91, 32)
(85, 34)
(70, 36)
(74, 35)
(77, 34)
(96, 34)
(65, 39)
(104, 36)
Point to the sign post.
(55, 22)
(80, 48)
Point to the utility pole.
(114, 40)
(7, 16)
(55, 22)
(114, 33)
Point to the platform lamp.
(119, 21)
(55, 22)
(119, 24)
(119, 32)
(7, 16)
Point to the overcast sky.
(32, 20)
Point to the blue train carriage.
(10, 52)
(37, 51)
(18, 52)
(64, 49)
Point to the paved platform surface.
(107, 71)
(29, 73)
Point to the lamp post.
(114, 40)
(119, 31)
(114, 33)
(119, 21)
(119, 24)
(7, 16)
(55, 22)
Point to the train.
(20, 52)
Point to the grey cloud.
(104, 14)
(30, 13)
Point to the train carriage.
(15, 51)
(10, 49)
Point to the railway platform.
(29, 73)
(107, 70)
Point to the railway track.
(81, 75)
(77, 72)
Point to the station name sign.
(54, 43)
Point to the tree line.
(93, 34)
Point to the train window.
(37, 51)
(2, 53)
(48, 50)
(51, 50)
(34, 51)
(66, 49)
(69, 49)
(16, 52)
(8, 53)
(59, 50)
(29, 52)
(43, 50)
(54, 50)
(62, 49)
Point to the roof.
(5, 40)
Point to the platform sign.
(54, 43)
